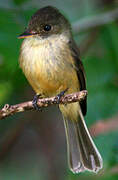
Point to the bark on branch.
(9, 110)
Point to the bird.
(50, 60)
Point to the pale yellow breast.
(47, 65)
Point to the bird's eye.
(47, 27)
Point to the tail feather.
(82, 152)
(74, 159)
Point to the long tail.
(82, 152)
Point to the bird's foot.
(58, 97)
(34, 102)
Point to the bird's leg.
(58, 97)
(34, 102)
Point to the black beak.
(26, 34)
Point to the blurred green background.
(32, 144)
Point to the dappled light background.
(32, 144)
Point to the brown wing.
(80, 73)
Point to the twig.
(8, 110)
(104, 126)
(88, 41)
(94, 21)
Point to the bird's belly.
(47, 68)
(46, 78)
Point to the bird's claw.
(34, 102)
(58, 97)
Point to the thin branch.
(104, 126)
(8, 110)
(88, 41)
(94, 21)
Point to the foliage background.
(32, 144)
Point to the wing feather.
(80, 72)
